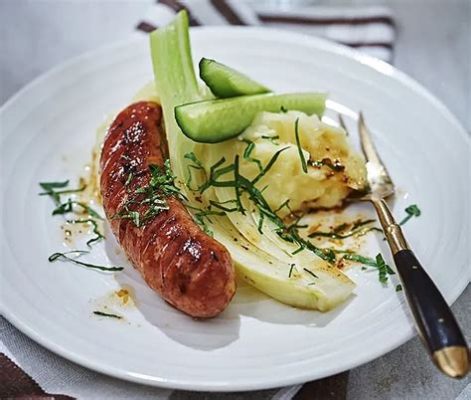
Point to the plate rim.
(219, 386)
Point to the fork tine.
(342, 124)
(367, 144)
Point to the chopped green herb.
(291, 270)
(237, 189)
(49, 186)
(201, 216)
(64, 256)
(283, 205)
(412, 211)
(398, 288)
(283, 110)
(103, 314)
(50, 190)
(248, 151)
(241, 184)
(152, 196)
(271, 138)
(383, 269)
(192, 157)
(98, 235)
(298, 143)
(68, 207)
(218, 204)
(310, 273)
(360, 259)
(215, 173)
(269, 165)
(196, 166)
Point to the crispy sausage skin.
(190, 269)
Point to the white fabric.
(59, 376)
(378, 32)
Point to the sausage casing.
(190, 270)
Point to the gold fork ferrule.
(392, 230)
(395, 238)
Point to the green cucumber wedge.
(214, 121)
(226, 82)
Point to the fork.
(434, 319)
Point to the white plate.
(47, 133)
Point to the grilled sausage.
(190, 269)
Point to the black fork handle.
(434, 319)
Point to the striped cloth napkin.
(369, 29)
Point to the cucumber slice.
(226, 82)
(214, 121)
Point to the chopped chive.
(383, 269)
(236, 186)
(243, 185)
(68, 206)
(412, 211)
(248, 151)
(300, 150)
(152, 196)
(64, 256)
(48, 186)
(103, 314)
(260, 223)
(196, 166)
(291, 270)
(98, 235)
(269, 165)
(192, 157)
(310, 273)
(283, 205)
(271, 138)
(360, 259)
(50, 190)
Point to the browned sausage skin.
(190, 269)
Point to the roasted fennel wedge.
(301, 277)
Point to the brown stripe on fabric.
(177, 6)
(145, 27)
(17, 384)
(227, 11)
(386, 45)
(286, 19)
(15, 381)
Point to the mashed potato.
(334, 168)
